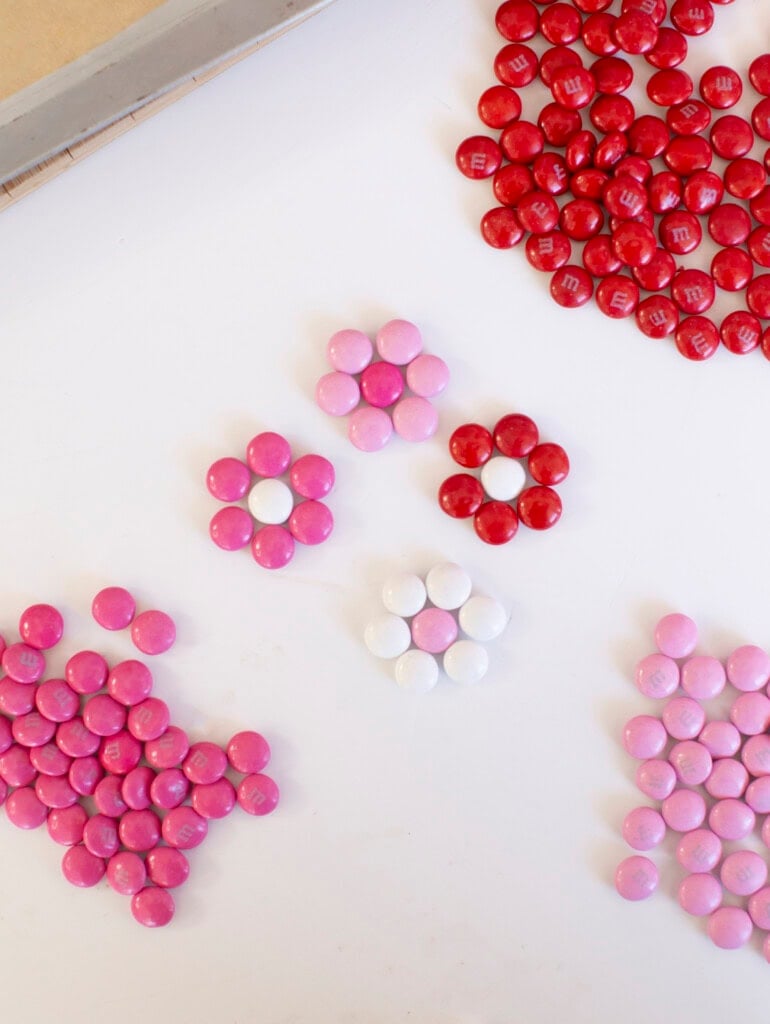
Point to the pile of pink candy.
(95, 758)
(711, 779)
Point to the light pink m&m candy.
(643, 828)
(130, 682)
(205, 763)
(758, 795)
(743, 872)
(56, 700)
(434, 630)
(248, 752)
(759, 909)
(272, 547)
(65, 824)
(427, 376)
(728, 778)
(636, 878)
(399, 342)
(699, 851)
(168, 750)
(700, 894)
(149, 720)
(656, 779)
(657, 676)
(228, 479)
(82, 868)
(683, 718)
(312, 476)
(731, 819)
(24, 664)
(676, 636)
(139, 830)
(748, 668)
(369, 429)
(169, 788)
(644, 737)
(750, 713)
(103, 715)
(692, 762)
(721, 739)
(86, 672)
(25, 809)
(415, 419)
(153, 907)
(257, 794)
(183, 828)
(126, 873)
(729, 927)
(337, 393)
(153, 632)
(100, 835)
(41, 626)
(113, 608)
(349, 351)
(135, 788)
(214, 800)
(755, 755)
(311, 522)
(84, 775)
(120, 753)
(703, 678)
(684, 810)
(167, 867)
(231, 528)
(268, 454)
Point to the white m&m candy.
(466, 662)
(482, 618)
(503, 478)
(416, 671)
(387, 636)
(271, 502)
(404, 594)
(448, 585)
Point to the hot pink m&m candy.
(748, 668)
(382, 384)
(731, 819)
(728, 778)
(49, 760)
(86, 672)
(258, 794)
(312, 476)
(25, 809)
(636, 878)
(55, 791)
(644, 737)
(139, 830)
(272, 547)
(434, 630)
(399, 342)
(16, 698)
(41, 626)
(56, 700)
(16, 768)
(415, 419)
(703, 677)
(369, 429)
(721, 739)
(153, 907)
(349, 351)
(337, 393)
(692, 762)
(24, 664)
(169, 788)
(130, 682)
(120, 753)
(100, 835)
(65, 824)
(311, 522)
(103, 715)
(168, 750)
(113, 608)
(657, 676)
(84, 775)
(153, 632)
(214, 800)
(149, 720)
(108, 796)
(75, 739)
(750, 713)
(231, 528)
(700, 894)
(32, 730)
(427, 376)
(684, 810)
(167, 867)
(6, 736)
(205, 763)
(729, 927)
(183, 828)
(656, 779)
(643, 828)
(135, 788)
(683, 718)
(676, 636)
(743, 872)
(82, 868)
(268, 454)
(699, 850)
(228, 479)
(248, 752)
(126, 873)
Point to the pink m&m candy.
(41, 626)
(312, 476)
(24, 664)
(643, 828)
(731, 819)
(130, 682)
(120, 753)
(427, 376)
(153, 632)
(169, 788)
(729, 927)
(113, 608)
(135, 788)
(272, 547)
(82, 868)
(231, 528)
(748, 668)
(657, 676)
(700, 894)
(415, 419)
(205, 763)
(56, 700)
(703, 678)
(6, 736)
(139, 830)
(750, 713)
(382, 384)
(75, 739)
(311, 522)
(399, 342)
(434, 630)
(16, 768)
(167, 867)
(108, 796)
(65, 824)
(55, 791)
(699, 851)
(257, 794)
(349, 351)
(100, 835)
(683, 718)
(756, 755)
(183, 828)
(153, 907)
(126, 873)
(337, 393)
(758, 795)
(149, 720)
(86, 672)
(168, 750)
(728, 778)
(684, 810)
(369, 429)
(676, 636)
(248, 752)
(49, 760)
(692, 762)
(228, 479)
(25, 809)
(644, 737)
(656, 779)
(103, 715)
(636, 878)
(721, 739)
(268, 454)
(16, 698)
(214, 800)
(84, 775)
(743, 872)
(759, 909)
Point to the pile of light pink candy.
(379, 385)
(711, 779)
(95, 758)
